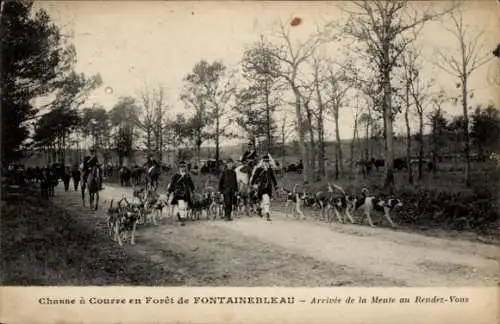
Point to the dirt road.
(289, 252)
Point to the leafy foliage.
(257, 103)
(486, 128)
(36, 61)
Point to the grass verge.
(42, 244)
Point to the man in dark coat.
(66, 177)
(228, 186)
(181, 185)
(265, 180)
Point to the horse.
(92, 186)
(246, 191)
(124, 174)
(152, 177)
(137, 172)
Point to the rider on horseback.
(249, 158)
(265, 180)
(89, 162)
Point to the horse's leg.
(83, 194)
(91, 198)
(96, 200)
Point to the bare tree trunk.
(408, 135)
(268, 118)
(466, 129)
(367, 140)
(217, 139)
(337, 175)
(389, 144)
(339, 167)
(355, 131)
(302, 144)
(283, 145)
(321, 128)
(420, 143)
(312, 144)
(321, 146)
(435, 143)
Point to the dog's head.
(394, 202)
(130, 217)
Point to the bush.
(464, 210)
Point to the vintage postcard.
(250, 162)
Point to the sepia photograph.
(250, 144)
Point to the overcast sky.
(134, 43)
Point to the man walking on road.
(228, 186)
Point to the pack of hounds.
(124, 217)
(341, 204)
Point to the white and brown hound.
(372, 203)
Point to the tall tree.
(148, 117)
(439, 128)
(208, 90)
(125, 118)
(292, 57)
(160, 110)
(52, 131)
(386, 28)
(250, 115)
(472, 55)
(36, 61)
(261, 98)
(319, 86)
(338, 86)
(96, 124)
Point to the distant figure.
(66, 177)
(76, 175)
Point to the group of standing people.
(264, 180)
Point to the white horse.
(245, 189)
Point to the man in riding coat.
(249, 157)
(89, 162)
(265, 180)
(228, 186)
(181, 185)
(250, 154)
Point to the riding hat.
(266, 158)
(229, 160)
(182, 164)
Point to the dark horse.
(91, 183)
(152, 177)
(125, 175)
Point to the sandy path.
(306, 252)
